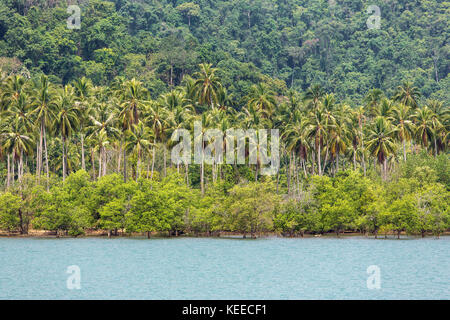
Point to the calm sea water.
(192, 268)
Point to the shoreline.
(40, 234)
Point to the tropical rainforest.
(87, 115)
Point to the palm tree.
(42, 110)
(156, 117)
(404, 126)
(372, 101)
(423, 119)
(207, 85)
(338, 138)
(12, 89)
(441, 122)
(102, 129)
(83, 88)
(408, 95)
(132, 95)
(316, 127)
(67, 119)
(380, 142)
(262, 99)
(138, 141)
(314, 95)
(16, 142)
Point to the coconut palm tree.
(408, 95)
(372, 101)
(316, 127)
(42, 104)
(16, 142)
(102, 129)
(11, 90)
(138, 141)
(380, 142)
(83, 88)
(132, 96)
(262, 99)
(423, 119)
(207, 85)
(338, 138)
(313, 96)
(66, 120)
(401, 119)
(441, 122)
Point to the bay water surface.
(216, 268)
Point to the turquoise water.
(193, 268)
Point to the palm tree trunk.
(93, 164)
(13, 171)
(63, 158)
(435, 147)
(153, 160)
(318, 159)
(8, 175)
(20, 171)
(100, 156)
(46, 160)
(337, 160)
(124, 165)
(288, 174)
(138, 169)
(105, 162)
(304, 168)
(37, 163)
(39, 154)
(165, 160)
(404, 150)
(83, 163)
(119, 157)
(202, 170)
